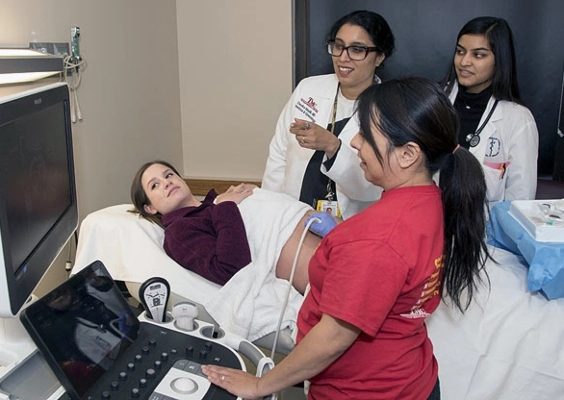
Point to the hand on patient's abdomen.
(323, 224)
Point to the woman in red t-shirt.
(378, 275)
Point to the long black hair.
(500, 38)
(417, 110)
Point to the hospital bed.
(508, 345)
(131, 249)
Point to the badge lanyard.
(474, 138)
(330, 193)
(329, 205)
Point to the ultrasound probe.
(154, 294)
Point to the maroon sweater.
(209, 240)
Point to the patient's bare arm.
(286, 259)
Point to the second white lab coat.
(509, 140)
(287, 161)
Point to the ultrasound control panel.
(184, 378)
(164, 364)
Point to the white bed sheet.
(131, 248)
(509, 345)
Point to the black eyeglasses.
(356, 53)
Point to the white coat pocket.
(496, 175)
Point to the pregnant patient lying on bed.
(218, 236)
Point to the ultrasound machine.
(83, 340)
(99, 349)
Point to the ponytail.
(465, 213)
(417, 110)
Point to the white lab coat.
(510, 137)
(287, 161)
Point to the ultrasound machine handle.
(262, 363)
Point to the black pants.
(436, 393)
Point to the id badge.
(330, 207)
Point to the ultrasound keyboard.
(162, 365)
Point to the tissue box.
(529, 213)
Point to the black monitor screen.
(38, 204)
(82, 327)
(34, 178)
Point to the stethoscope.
(474, 138)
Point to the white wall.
(235, 61)
(214, 119)
(129, 94)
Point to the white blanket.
(249, 304)
(508, 345)
(255, 296)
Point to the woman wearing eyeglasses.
(310, 156)
(494, 125)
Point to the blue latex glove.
(325, 226)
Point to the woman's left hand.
(237, 382)
(311, 136)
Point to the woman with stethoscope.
(310, 156)
(494, 125)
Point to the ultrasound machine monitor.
(99, 349)
(38, 203)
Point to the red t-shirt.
(380, 271)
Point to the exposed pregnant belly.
(288, 253)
